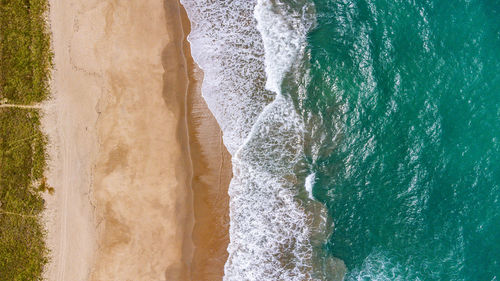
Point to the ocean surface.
(365, 135)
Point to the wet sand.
(131, 139)
(212, 175)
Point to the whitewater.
(378, 116)
(246, 48)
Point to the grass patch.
(22, 160)
(25, 67)
(25, 54)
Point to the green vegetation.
(24, 51)
(22, 162)
(25, 65)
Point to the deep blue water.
(402, 116)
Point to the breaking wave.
(246, 49)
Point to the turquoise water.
(402, 120)
(387, 110)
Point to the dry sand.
(122, 157)
(70, 122)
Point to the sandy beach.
(137, 159)
(212, 175)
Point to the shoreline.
(114, 161)
(212, 170)
(211, 178)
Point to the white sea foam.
(284, 31)
(270, 234)
(270, 229)
(227, 46)
(378, 265)
(309, 185)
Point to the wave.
(228, 48)
(284, 30)
(379, 265)
(246, 48)
(310, 179)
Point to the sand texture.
(131, 139)
(70, 123)
(212, 170)
(143, 172)
(212, 173)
